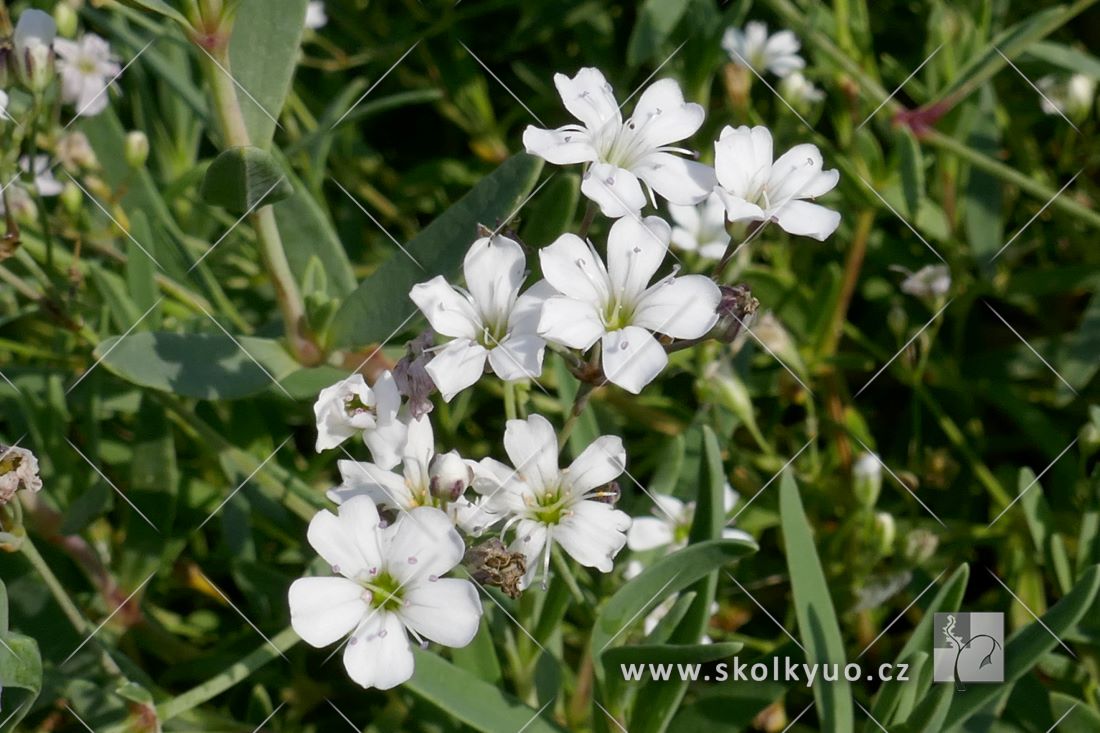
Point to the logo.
(968, 647)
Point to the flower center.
(354, 406)
(86, 66)
(492, 334)
(551, 506)
(628, 144)
(382, 592)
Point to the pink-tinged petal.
(615, 190)
(592, 534)
(378, 654)
(324, 610)
(677, 179)
(600, 463)
(383, 487)
(635, 249)
(532, 445)
(518, 357)
(632, 358)
(571, 266)
(743, 159)
(449, 312)
(807, 219)
(563, 146)
(420, 544)
(683, 307)
(738, 209)
(648, 533)
(494, 269)
(662, 116)
(446, 610)
(572, 323)
(589, 98)
(458, 366)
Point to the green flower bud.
(867, 479)
(72, 199)
(136, 149)
(920, 545)
(33, 49)
(885, 532)
(65, 17)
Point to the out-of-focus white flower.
(700, 228)
(44, 181)
(756, 189)
(75, 152)
(670, 524)
(21, 203)
(800, 91)
(622, 153)
(87, 68)
(616, 306)
(1071, 96)
(316, 17)
(350, 406)
(18, 469)
(552, 505)
(489, 322)
(4, 105)
(777, 53)
(33, 45)
(387, 586)
(930, 281)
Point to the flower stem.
(510, 412)
(566, 573)
(586, 222)
(580, 401)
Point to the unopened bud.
(867, 479)
(136, 149)
(491, 563)
(885, 532)
(33, 47)
(65, 17)
(449, 476)
(1090, 439)
(920, 545)
(736, 305)
(72, 198)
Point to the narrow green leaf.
(1081, 358)
(551, 211)
(478, 704)
(668, 623)
(241, 180)
(160, 7)
(263, 53)
(948, 598)
(1028, 645)
(912, 172)
(479, 657)
(817, 624)
(1073, 715)
(984, 217)
(1071, 59)
(669, 654)
(381, 302)
(20, 668)
(889, 695)
(656, 21)
(929, 715)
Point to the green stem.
(566, 573)
(580, 401)
(237, 672)
(510, 401)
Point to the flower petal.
(743, 160)
(662, 116)
(807, 219)
(378, 654)
(600, 463)
(682, 307)
(532, 445)
(677, 179)
(616, 190)
(635, 249)
(323, 610)
(519, 356)
(348, 542)
(422, 542)
(563, 146)
(446, 610)
(449, 312)
(632, 358)
(457, 367)
(589, 98)
(531, 541)
(359, 478)
(799, 174)
(419, 449)
(385, 442)
(571, 266)
(647, 533)
(572, 323)
(494, 269)
(592, 534)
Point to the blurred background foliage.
(178, 476)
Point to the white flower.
(18, 468)
(756, 189)
(32, 43)
(420, 483)
(22, 205)
(350, 406)
(549, 504)
(701, 228)
(316, 17)
(670, 525)
(867, 478)
(622, 153)
(491, 321)
(753, 47)
(800, 91)
(87, 68)
(1072, 96)
(930, 281)
(613, 304)
(388, 586)
(44, 181)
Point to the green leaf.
(160, 8)
(478, 704)
(479, 657)
(656, 21)
(912, 172)
(241, 180)
(1071, 59)
(817, 624)
(1082, 719)
(948, 598)
(982, 197)
(929, 715)
(551, 211)
(381, 302)
(1080, 360)
(263, 53)
(889, 696)
(1028, 645)
(206, 366)
(669, 654)
(20, 668)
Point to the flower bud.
(884, 533)
(490, 563)
(867, 479)
(136, 149)
(33, 47)
(736, 305)
(1089, 436)
(449, 476)
(72, 198)
(65, 17)
(920, 545)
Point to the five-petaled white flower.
(388, 585)
(930, 281)
(756, 189)
(549, 504)
(754, 48)
(622, 153)
(489, 322)
(613, 304)
(800, 91)
(316, 17)
(350, 406)
(701, 228)
(87, 68)
(426, 479)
